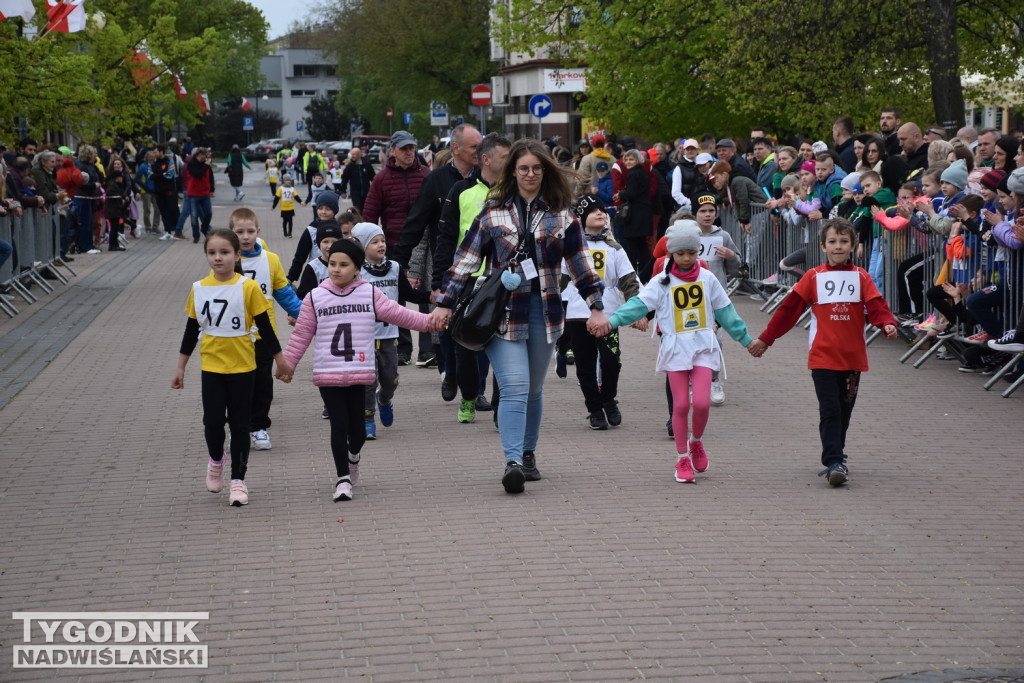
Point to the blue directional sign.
(407, 118)
(540, 105)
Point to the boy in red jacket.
(838, 293)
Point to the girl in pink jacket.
(338, 318)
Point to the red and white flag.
(246, 104)
(17, 8)
(67, 16)
(203, 100)
(142, 68)
(179, 87)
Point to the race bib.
(688, 305)
(709, 248)
(838, 287)
(258, 269)
(336, 176)
(598, 260)
(220, 310)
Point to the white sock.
(680, 456)
(353, 457)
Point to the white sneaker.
(93, 251)
(717, 394)
(343, 491)
(261, 440)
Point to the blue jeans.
(203, 206)
(82, 209)
(520, 368)
(6, 249)
(187, 210)
(876, 267)
(987, 305)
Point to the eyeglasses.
(524, 171)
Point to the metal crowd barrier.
(912, 262)
(36, 241)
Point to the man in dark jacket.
(165, 190)
(356, 179)
(392, 194)
(726, 151)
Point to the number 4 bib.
(838, 287)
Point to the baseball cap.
(402, 138)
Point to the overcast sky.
(281, 14)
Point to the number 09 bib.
(688, 306)
(838, 287)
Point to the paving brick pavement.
(605, 570)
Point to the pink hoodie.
(362, 332)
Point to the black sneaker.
(403, 359)
(597, 420)
(560, 361)
(972, 368)
(482, 405)
(513, 480)
(611, 411)
(428, 360)
(671, 432)
(324, 414)
(837, 474)
(449, 387)
(530, 470)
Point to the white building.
(293, 76)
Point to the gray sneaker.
(837, 474)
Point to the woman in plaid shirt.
(527, 218)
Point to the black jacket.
(359, 177)
(426, 212)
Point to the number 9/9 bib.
(220, 310)
(838, 287)
(688, 306)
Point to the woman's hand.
(439, 318)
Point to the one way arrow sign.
(540, 106)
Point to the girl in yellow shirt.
(222, 308)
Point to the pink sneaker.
(215, 475)
(684, 472)
(698, 455)
(239, 493)
(927, 324)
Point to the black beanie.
(588, 204)
(328, 228)
(350, 248)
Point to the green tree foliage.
(665, 67)
(405, 53)
(325, 122)
(83, 82)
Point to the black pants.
(286, 221)
(910, 285)
(637, 251)
(837, 393)
(167, 202)
(116, 224)
(273, 193)
(230, 394)
(263, 388)
(588, 351)
(955, 313)
(348, 434)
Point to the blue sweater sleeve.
(288, 300)
(731, 321)
(629, 312)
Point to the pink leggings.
(679, 381)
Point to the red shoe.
(979, 338)
(698, 455)
(684, 472)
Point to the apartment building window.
(303, 93)
(304, 70)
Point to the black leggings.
(231, 394)
(263, 387)
(348, 433)
(286, 222)
(955, 313)
(837, 394)
(910, 285)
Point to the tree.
(406, 53)
(324, 121)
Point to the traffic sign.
(299, 125)
(407, 118)
(391, 113)
(438, 113)
(480, 94)
(246, 123)
(540, 105)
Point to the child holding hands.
(688, 299)
(838, 293)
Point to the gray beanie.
(956, 174)
(364, 232)
(1015, 182)
(684, 234)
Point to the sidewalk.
(605, 570)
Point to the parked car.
(339, 150)
(257, 151)
(367, 143)
(324, 145)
